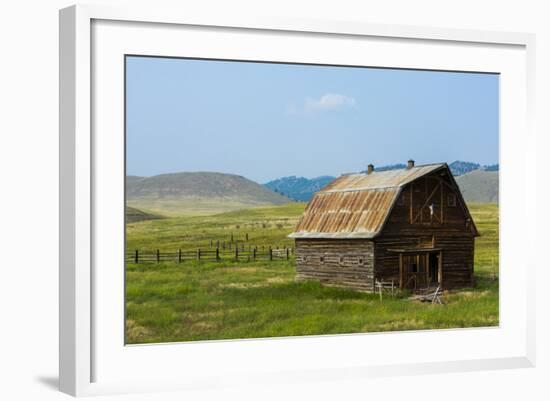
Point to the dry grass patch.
(278, 280)
(243, 286)
(404, 324)
(135, 332)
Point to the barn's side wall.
(346, 263)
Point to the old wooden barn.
(411, 226)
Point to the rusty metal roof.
(380, 179)
(356, 205)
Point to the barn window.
(322, 259)
(304, 259)
(451, 200)
(361, 261)
(341, 260)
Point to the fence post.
(217, 254)
(254, 253)
(158, 256)
(199, 254)
(246, 237)
(237, 253)
(286, 253)
(179, 255)
(137, 256)
(270, 253)
(242, 248)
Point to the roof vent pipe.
(410, 164)
(370, 169)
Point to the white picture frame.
(86, 332)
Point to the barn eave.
(342, 235)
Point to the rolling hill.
(197, 193)
(133, 215)
(479, 186)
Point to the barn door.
(433, 268)
(420, 270)
(414, 271)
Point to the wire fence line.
(212, 255)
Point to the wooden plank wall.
(451, 218)
(458, 257)
(386, 264)
(346, 263)
(458, 261)
(448, 228)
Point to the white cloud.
(329, 101)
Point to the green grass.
(264, 226)
(168, 302)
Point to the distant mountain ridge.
(302, 189)
(298, 188)
(459, 167)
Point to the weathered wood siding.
(411, 214)
(346, 263)
(457, 253)
(386, 264)
(411, 225)
(458, 261)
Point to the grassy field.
(264, 226)
(195, 206)
(221, 300)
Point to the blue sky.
(265, 121)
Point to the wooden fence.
(384, 285)
(216, 255)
